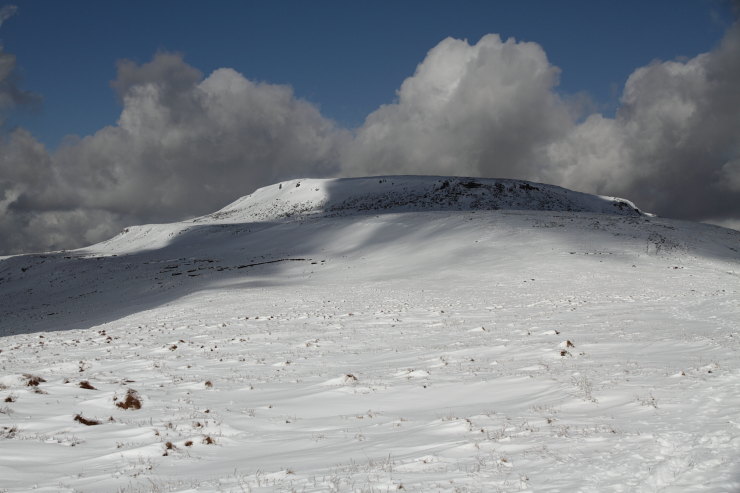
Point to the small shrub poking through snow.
(87, 422)
(132, 400)
(86, 385)
(167, 447)
(32, 380)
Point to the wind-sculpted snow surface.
(413, 334)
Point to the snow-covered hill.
(311, 198)
(375, 334)
(412, 193)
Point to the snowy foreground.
(319, 335)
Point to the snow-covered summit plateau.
(376, 334)
(311, 198)
(413, 193)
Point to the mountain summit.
(342, 196)
(305, 199)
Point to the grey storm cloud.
(674, 145)
(186, 144)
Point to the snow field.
(420, 351)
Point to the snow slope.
(379, 334)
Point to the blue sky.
(347, 57)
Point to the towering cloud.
(488, 109)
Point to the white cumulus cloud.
(484, 109)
